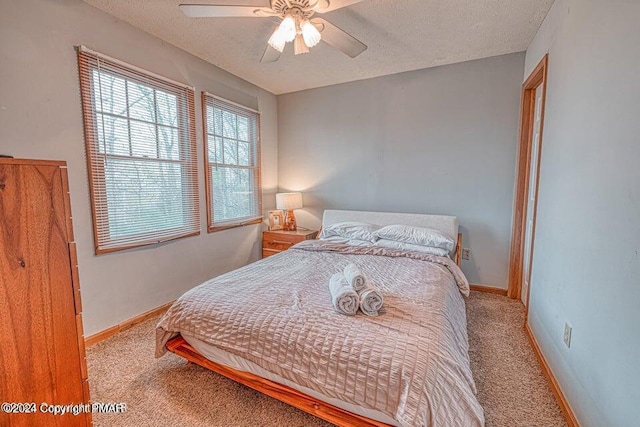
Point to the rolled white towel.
(345, 299)
(371, 300)
(355, 277)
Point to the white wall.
(441, 140)
(586, 267)
(40, 117)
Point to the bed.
(271, 326)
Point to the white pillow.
(351, 230)
(349, 242)
(403, 246)
(416, 236)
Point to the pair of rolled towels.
(351, 290)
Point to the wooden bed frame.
(285, 394)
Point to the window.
(141, 154)
(232, 144)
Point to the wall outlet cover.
(567, 334)
(466, 253)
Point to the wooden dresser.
(42, 356)
(277, 241)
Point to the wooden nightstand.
(276, 241)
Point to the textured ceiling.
(402, 35)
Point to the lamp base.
(290, 221)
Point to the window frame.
(96, 169)
(212, 226)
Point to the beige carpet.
(168, 392)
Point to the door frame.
(537, 78)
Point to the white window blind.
(141, 154)
(232, 144)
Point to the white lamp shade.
(288, 201)
(310, 33)
(277, 40)
(288, 28)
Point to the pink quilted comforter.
(411, 362)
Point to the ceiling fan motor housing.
(296, 8)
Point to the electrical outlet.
(466, 253)
(567, 334)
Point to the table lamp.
(288, 202)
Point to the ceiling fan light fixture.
(277, 40)
(299, 46)
(288, 28)
(310, 33)
(295, 23)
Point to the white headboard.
(443, 223)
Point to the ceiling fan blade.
(270, 55)
(337, 38)
(324, 6)
(223, 11)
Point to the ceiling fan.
(296, 24)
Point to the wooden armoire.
(42, 355)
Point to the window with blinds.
(232, 144)
(141, 154)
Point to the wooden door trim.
(527, 110)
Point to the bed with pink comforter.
(411, 362)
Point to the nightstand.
(276, 241)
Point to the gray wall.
(441, 140)
(40, 117)
(586, 267)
